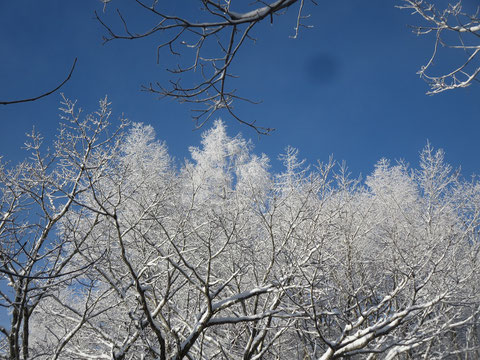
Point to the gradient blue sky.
(347, 87)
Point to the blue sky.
(346, 87)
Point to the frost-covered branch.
(221, 258)
(455, 31)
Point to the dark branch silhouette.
(44, 94)
(212, 44)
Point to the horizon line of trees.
(110, 251)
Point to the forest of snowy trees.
(111, 250)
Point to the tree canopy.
(109, 250)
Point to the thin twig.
(44, 94)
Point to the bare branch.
(44, 94)
(223, 33)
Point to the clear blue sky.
(347, 87)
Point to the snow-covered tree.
(223, 258)
(36, 196)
